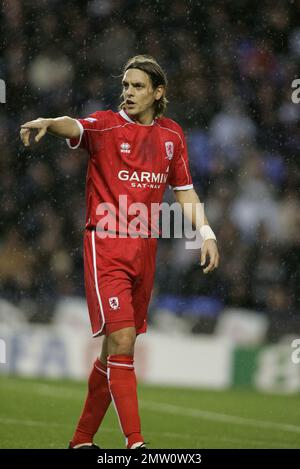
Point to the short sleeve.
(89, 127)
(180, 176)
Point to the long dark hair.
(148, 64)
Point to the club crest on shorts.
(114, 302)
(169, 150)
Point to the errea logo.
(125, 147)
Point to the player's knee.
(122, 342)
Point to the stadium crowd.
(230, 67)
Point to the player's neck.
(145, 118)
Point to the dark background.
(230, 67)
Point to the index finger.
(31, 125)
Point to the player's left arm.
(194, 211)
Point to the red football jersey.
(132, 160)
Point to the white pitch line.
(64, 392)
(30, 423)
(171, 435)
(59, 392)
(218, 417)
(40, 423)
(203, 438)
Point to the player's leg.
(110, 266)
(121, 351)
(96, 403)
(98, 396)
(123, 384)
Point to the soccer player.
(133, 153)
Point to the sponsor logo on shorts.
(114, 302)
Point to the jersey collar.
(127, 118)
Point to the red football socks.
(123, 388)
(96, 405)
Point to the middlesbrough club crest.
(114, 302)
(169, 150)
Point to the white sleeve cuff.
(81, 129)
(182, 188)
(207, 233)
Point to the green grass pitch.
(38, 413)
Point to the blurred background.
(230, 67)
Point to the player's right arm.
(64, 127)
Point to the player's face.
(138, 93)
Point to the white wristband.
(207, 233)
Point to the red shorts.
(118, 275)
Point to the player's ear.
(159, 92)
